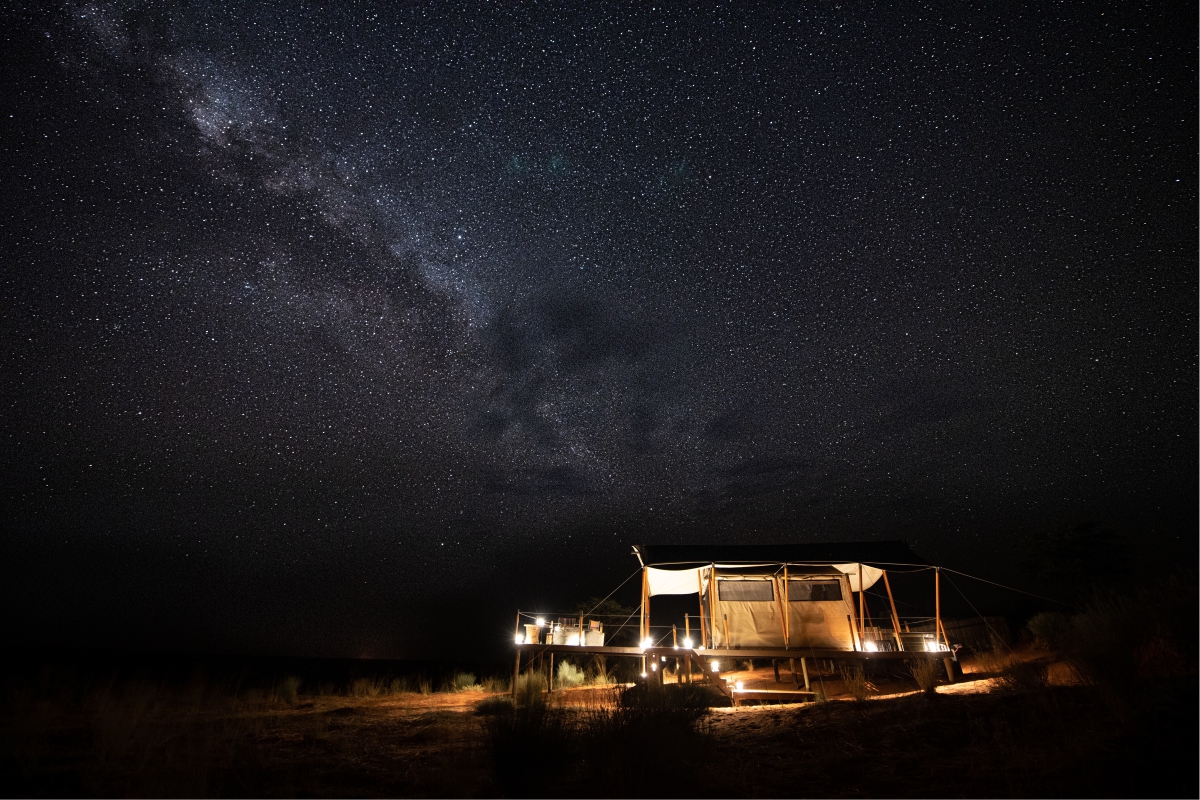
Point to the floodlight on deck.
(687, 643)
(654, 666)
(519, 639)
(870, 647)
(740, 685)
(716, 666)
(541, 622)
(647, 642)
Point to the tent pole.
(937, 603)
(787, 610)
(703, 630)
(517, 664)
(895, 616)
(862, 606)
(712, 604)
(782, 622)
(726, 616)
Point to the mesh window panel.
(799, 591)
(746, 590)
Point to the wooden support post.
(895, 616)
(775, 664)
(517, 664)
(949, 662)
(550, 678)
(782, 616)
(703, 629)
(804, 667)
(937, 603)
(787, 611)
(853, 632)
(726, 618)
(674, 637)
(862, 607)
(712, 603)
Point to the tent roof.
(883, 554)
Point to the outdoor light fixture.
(654, 666)
(541, 623)
(716, 665)
(647, 642)
(664, 658)
(519, 639)
(740, 685)
(643, 674)
(870, 646)
(687, 643)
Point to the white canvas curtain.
(687, 580)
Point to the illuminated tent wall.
(774, 596)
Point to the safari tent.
(790, 602)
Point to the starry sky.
(330, 329)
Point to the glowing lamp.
(654, 666)
(541, 623)
(740, 685)
(643, 674)
(687, 643)
(519, 639)
(647, 642)
(870, 647)
(716, 665)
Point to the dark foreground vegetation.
(1102, 702)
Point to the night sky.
(343, 331)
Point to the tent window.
(814, 590)
(746, 590)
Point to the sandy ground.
(971, 739)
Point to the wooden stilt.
(775, 664)
(804, 668)
(787, 612)
(703, 628)
(726, 618)
(949, 662)
(517, 664)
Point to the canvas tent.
(775, 596)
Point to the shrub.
(288, 689)
(494, 684)
(366, 687)
(925, 673)
(1024, 674)
(648, 726)
(854, 680)
(568, 675)
(494, 705)
(463, 681)
(1048, 629)
(529, 729)
(600, 674)
(531, 689)
(399, 686)
(424, 686)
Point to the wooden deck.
(701, 654)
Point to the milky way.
(310, 314)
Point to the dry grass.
(925, 672)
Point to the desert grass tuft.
(854, 680)
(925, 673)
